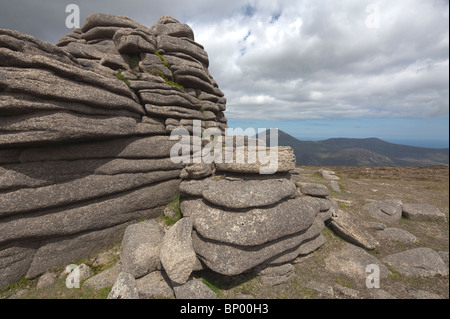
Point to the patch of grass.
(12, 288)
(344, 282)
(167, 65)
(175, 206)
(121, 77)
(212, 286)
(342, 206)
(168, 81)
(134, 61)
(307, 293)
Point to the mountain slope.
(363, 152)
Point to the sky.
(315, 69)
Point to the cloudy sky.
(313, 68)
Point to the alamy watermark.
(73, 19)
(73, 278)
(373, 19)
(373, 280)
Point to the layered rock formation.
(244, 221)
(84, 134)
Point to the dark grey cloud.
(295, 59)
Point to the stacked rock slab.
(84, 134)
(243, 220)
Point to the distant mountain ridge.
(360, 152)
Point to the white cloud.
(296, 59)
(321, 61)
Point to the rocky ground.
(412, 254)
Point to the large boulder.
(177, 253)
(254, 227)
(141, 247)
(417, 262)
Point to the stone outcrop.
(244, 221)
(84, 134)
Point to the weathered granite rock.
(230, 259)
(177, 254)
(335, 186)
(343, 226)
(444, 256)
(387, 210)
(423, 294)
(321, 288)
(46, 280)
(141, 248)
(195, 187)
(246, 194)
(313, 189)
(101, 19)
(422, 211)
(397, 234)
(81, 155)
(111, 211)
(417, 262)
(124, 288)
(79, 190)
(15, 260)
(257, 160)
(106, 278)
(155, 285)
(254, 227)
(67, 249)
(345, 292)
(352, 261)
(276, 275)
(193, 289)
(197, 170)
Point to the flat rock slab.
(397, 234)
(345, 228)
(352, 261)
(249, 193)
(273, 160)
(313, 189)
(386, 210)
(422, 211)
(177, 253)
(255, 227)
(417, 262)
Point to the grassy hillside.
(365, 152)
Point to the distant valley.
(360, 152)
